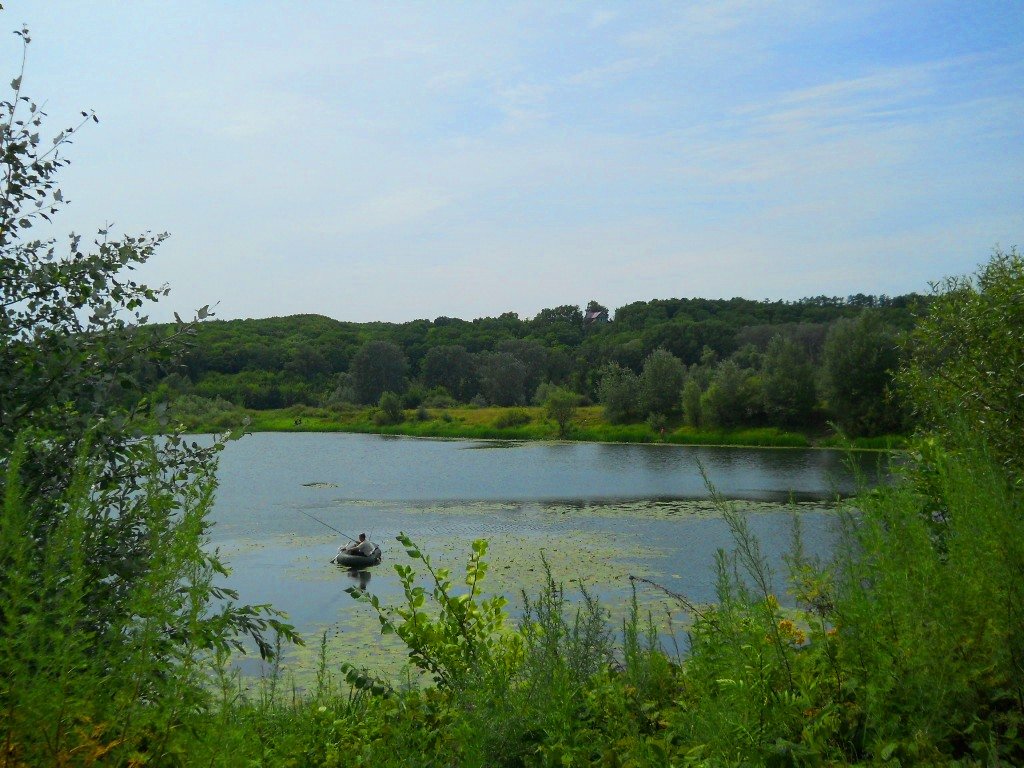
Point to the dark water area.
(597, 512)
(264, 469)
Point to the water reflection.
(359, 575)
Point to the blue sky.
(393, 161)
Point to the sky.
(395, 161)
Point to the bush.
(413, 396)
(512, 417)
(964, 374)
(390, 410)
(133, 683)
(560, 407)
(619, 394)
(438, 397)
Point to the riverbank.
(514, 423)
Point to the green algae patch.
(591, 561)
(585, 546)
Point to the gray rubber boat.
(353, 560)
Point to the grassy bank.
(877, 660)
(496, 423)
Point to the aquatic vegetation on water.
(582, 550)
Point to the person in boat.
(362, 547)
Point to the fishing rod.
(326, 524)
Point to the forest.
(703, 362)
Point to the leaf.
(16, 83)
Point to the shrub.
(619, 394)
(512, 417)
(438, 397)
(390, 410)
(560, 407)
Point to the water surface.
(598, 513)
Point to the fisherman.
(361, 547)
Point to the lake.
(598, 512)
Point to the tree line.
(705, 362)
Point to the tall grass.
(72, 693)
(907, 645)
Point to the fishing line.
(326, 524)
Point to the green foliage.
(733, 398)
(193, 412)
(74, 357)
(458, 637)
(109, 615)
(73, 686)
(619, 394)
(450, 366)
(534, 358)
(693, 412)
(966, 365)
(503, 378)
(860, 358)
(390, 409)
(661, 382)
(343, 393)
(378, 367)
(560, 407)
(276, 362)
(512, 417)
(560, 325)
(787, 383)
(931, 615)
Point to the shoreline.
(478, 424)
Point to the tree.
(390, 409)
(502, 377)
(691, 403)
(965, 369)
(533, 356)
(788, 381)
(619, 394)
(661, 383)
(561, 407)
(731, 399)
(859, 361)
(79, 478)
(450, 366)
(378, 367)
(560, 325)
